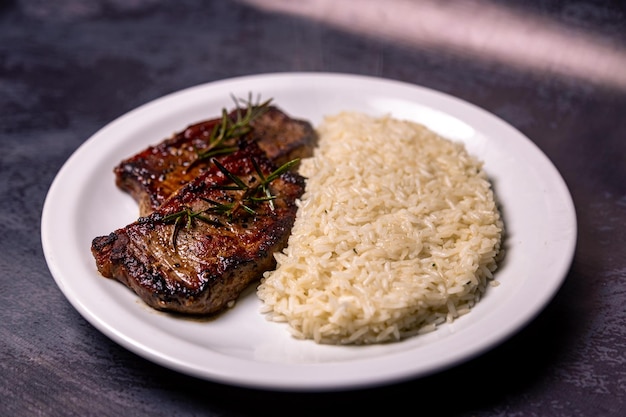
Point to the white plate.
(241, 347)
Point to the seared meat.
(154, 174)
(196, 253)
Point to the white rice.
(397, 232)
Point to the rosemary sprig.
(227, 129)
(252, 196)
(185, 218)
(265, 181)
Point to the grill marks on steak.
(155, 173)
(211, 262)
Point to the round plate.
(240, 347)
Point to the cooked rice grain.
(397, 232)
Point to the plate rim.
(317, 381)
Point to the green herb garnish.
(255, 193)
(252, 194)
(185, 218)
(220, 139)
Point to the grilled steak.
(153, 174)
(205, 244)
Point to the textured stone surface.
(68, 67)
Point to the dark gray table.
(554, 70)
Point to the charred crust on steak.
(155, 173)
(213, 262)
